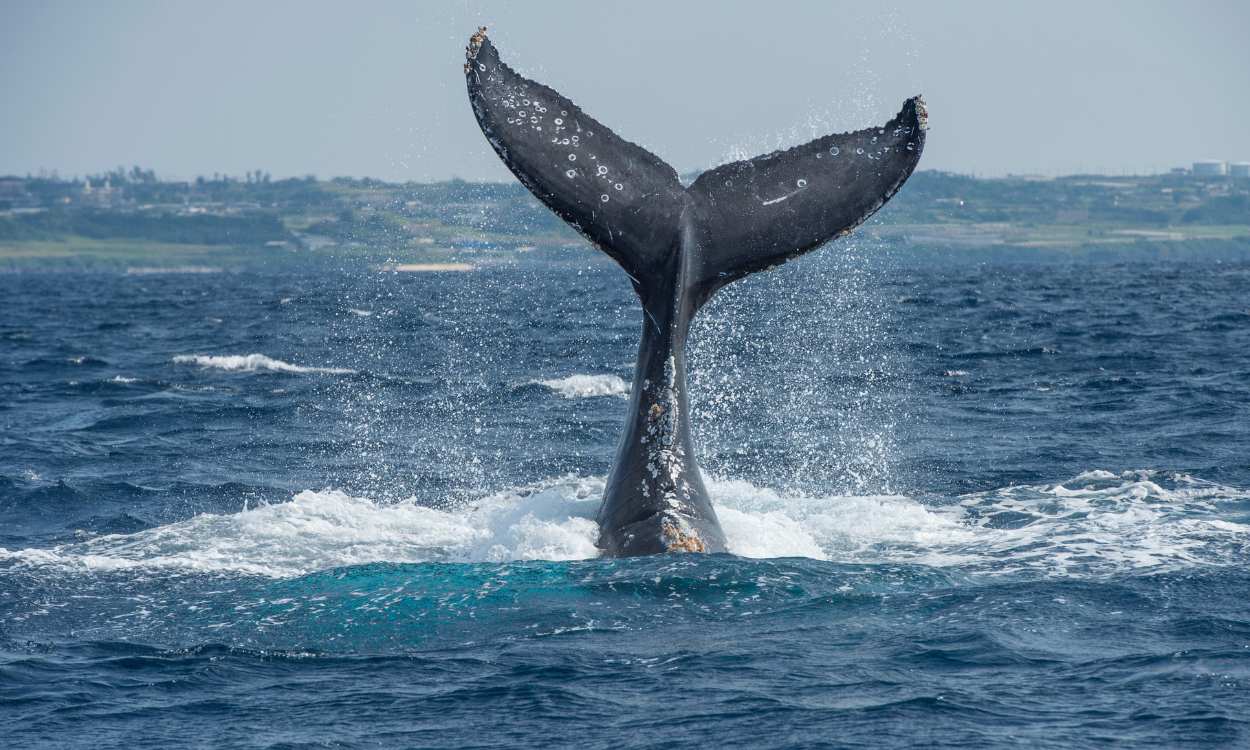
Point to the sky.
(375, 88)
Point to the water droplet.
(834, 150)
(534, 120)
(874, 139)
(602, 169)
(575, 139)
(618, 186)
(559, 121)
(481, 66)
(522, 113)
(526, 102)
(572, 157)
(564, 142)
(566, 114)
(859, 151)
(801, 183)
(911, 147)
(571, 173)
(604, 197)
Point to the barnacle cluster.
(475, 44)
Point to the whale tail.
(679, 245)
(747, 215)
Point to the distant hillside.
(129, 208)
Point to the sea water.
(970, 503)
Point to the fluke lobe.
(678, 245)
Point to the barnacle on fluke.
(679, 246)
(475, 43)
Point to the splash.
(775, 355)
(1094, 525)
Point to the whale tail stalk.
(678, 245)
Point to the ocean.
(972, 501)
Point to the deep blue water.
(975, 503)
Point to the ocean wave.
(1093, 525)
(153, 270)
(253, 363)
(587, 386)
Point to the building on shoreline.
(1210, 168)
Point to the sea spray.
(796, 379)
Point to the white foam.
(1100, 522)
(318, 530)
(587, 386)
(253, 363)
(1093, 525)
(361, 313)
(122, 379)
(761, 522)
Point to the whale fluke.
(760, 212)
(678, 245)
(620, 196)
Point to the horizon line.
(53, 174)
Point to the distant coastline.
(132, 219)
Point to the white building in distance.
(1210, 168)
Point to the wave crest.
(587, 386)
(253, 363)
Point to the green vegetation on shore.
(131, 217)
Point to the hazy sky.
(376, 88)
